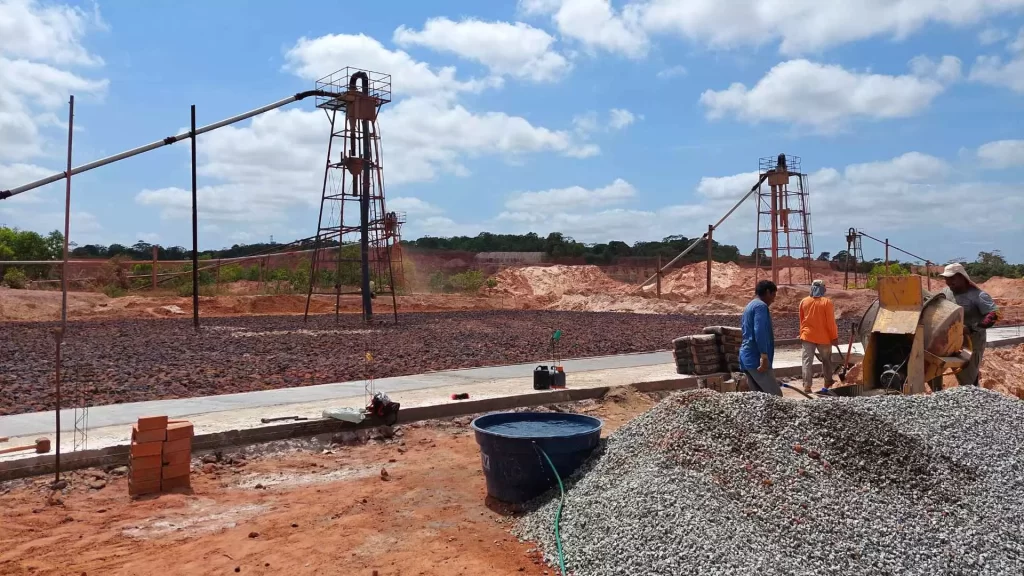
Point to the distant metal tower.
(355, 249)
(854, 256)
(784, 218)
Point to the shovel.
(846, 364)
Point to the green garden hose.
(558, 514)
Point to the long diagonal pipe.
(160, 143)
(713, 228)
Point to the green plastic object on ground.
(557, 335)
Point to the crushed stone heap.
(752, 484)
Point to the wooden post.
(152, 273)
(886, 256)
(658, 286)
(711, 231)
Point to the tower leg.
(313, 264)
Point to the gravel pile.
(708, 483)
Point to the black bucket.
(515, 470)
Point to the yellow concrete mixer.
(910, 336)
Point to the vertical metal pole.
(846, 271)
(58, 335)
(775, 234)
(928, 273)
(152, 273)
(67, 220)
(314, 260)
(364, 225)
(711, 230)
(886, 256)
(658, 286)
(195, 230)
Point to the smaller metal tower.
(854, 256)
(784, 218)
(355, 250)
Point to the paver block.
(144, 436)
(179, 457)
(152, 423)
(179, 430)
(145, 475)
(145, 462)
(176, 470)
(147, 449)
(140, 488)
(178, 445)
(168, 484)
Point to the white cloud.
(910, 167)
(315, 58)
(948, 69)
(620, 118)
(991, 35)
(804, 26)
(38, 44)
(1018, 43)
(992, 70)
(589, 123)
(672, 72)
(558, 199)
(412, 206)
(50, 33)
(276, 162)
(595, 24)
(822, 96)
(728, 187)
(1002, 154)
(517, 50)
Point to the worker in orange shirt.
(818, 333)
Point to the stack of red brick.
(161, 455)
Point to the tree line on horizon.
(27, 245)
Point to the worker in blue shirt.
(757, 352)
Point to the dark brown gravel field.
(116, 361)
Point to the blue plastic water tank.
(515, 471)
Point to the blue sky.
(623, 120)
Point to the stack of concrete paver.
(160, 455)
(697, 354)
(729, 340)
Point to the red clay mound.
(554, 281)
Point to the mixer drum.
(943, 323)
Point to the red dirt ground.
(314, 513)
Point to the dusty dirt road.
(295, 511)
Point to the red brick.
(176, 470)
(145, 475)
(168, 484)
(152, 423)
(147, 449)
(179, 457)
(145, 463)
(178, 445)
(140, 488)
(143, 437)
(179, 430)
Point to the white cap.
(954, 269)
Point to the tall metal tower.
(784, 218)
(355, 250)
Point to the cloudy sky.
(626, 120)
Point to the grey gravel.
(734, 484)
